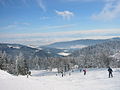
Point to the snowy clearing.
(96, 79)
(63, 54)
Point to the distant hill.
(52, 49)
(79, 43)
(110, 48)
(99, 55)
(14, 50)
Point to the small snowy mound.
(43, 72)
(4, 74)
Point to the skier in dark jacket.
(84, 70)
(62, 73)
(110, 72)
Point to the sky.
(42, 22)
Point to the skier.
(80, 69)
(84, 70)
(110, 72)
(62, 73)
(28, 73)
(69, 73)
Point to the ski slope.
(95, 79)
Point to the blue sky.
(40, 22)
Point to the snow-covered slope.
(5, 75)
(117, 55)
(94, 80)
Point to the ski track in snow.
(95, 79)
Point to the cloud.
(65, 14)
(87, 0)
(65, 33)
(21, 23)
(79, 0)
(110, 11)
(83, 0)
(20, 26)
(10, 26)
(25, 2)
(2, 3)
(15, 25)
(59, 26)
(51, 37)
(45, 41)
(41, 4)
(44, 18)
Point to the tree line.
(22, 66)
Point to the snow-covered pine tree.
(21, 65)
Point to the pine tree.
(21, 65)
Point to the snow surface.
(63, 54)
(78, 46)
(116, 56)
(10, 46)
(32, 46)
(96, 79)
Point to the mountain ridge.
(80, 43)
